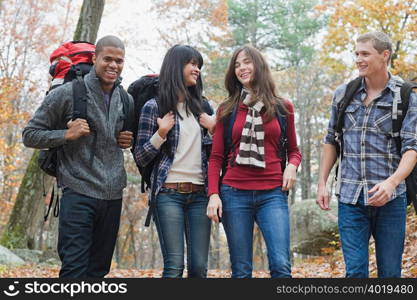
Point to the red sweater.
(246, 177)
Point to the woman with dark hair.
(170, 137)
(254, 186)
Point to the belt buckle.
(184, 191)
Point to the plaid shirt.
(370, 154)
(145, 152)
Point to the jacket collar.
(392, 83)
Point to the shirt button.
(363, 143)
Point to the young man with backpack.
(90, 161)
(371, 171)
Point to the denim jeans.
(386, 224)
(177, 214)
(87, 234)
(269, 209)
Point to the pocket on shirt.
(351, 115)
(383, 118)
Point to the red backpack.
(69, 57)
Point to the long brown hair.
(262, 85)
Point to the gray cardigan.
(103, 177)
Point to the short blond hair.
(380, 41)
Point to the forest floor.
(326, 266)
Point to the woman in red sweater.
(253, 188)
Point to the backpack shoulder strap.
(351, 88)
(282, 120)
(400, 107)
(207, 107)
(406, 89)
(405, 92)
(127, 109)
(283, 139)
(79, 92)
(228, 123)
(80, 106)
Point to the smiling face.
(244, 69)
(369, 61)
(191, 72)
(109, 65)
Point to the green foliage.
(286, 26)
(13, 239)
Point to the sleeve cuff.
(57, 138)
(212, 193)
(406, 148)
(157, 140)
(294, 161)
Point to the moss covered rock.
(312, 229)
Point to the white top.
(186, 166)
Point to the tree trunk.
(27, 214)
(28, 210)
(89, 21)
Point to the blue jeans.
(269, 209)
(386, 224)
(177, 214)
(87, 234)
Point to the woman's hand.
(208, 122)
(165, 124)
(214, 208)
(289, 177)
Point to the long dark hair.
(171, 81)
(262, 85)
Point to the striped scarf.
(251, 150)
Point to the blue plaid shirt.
(145, 152)
(370, 154)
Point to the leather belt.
(185, 187)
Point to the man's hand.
(76, 129)
(323, 198)
(165, 124)
(208, 122)
(382, 192)
(125, 139)
(214, 208)
(289, 177)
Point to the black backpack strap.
(152, 202)
(399, 110)
(127, 109)
(79, 103)
(351, 88)
(283, 140)
(79, 92)
(228, 123)
(45, 217)
(206, 107)
(51, 201)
